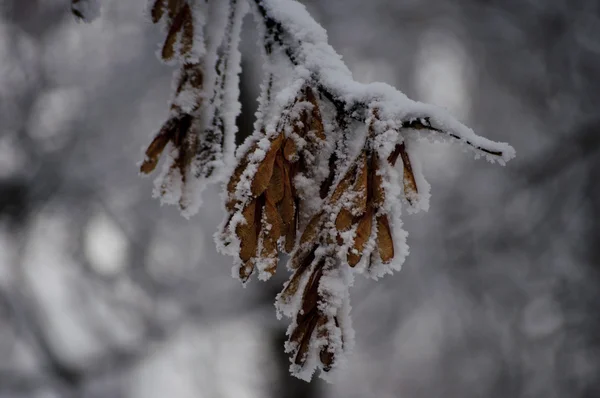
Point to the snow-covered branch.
(325, 175)
(290, 27)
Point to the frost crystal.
(325, 175)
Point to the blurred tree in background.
(105, 294)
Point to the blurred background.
(103, 293)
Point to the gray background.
(103, 293)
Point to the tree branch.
(308, 50)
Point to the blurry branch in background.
(68, 379)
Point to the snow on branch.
(289, 25)
(325, 175)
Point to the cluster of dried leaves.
(195, 128)
(271, 211)
(352, 223)
(295, 189)
(178, 129)
(353, 217)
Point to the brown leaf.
(385, 241)
(287, 207)
(183, 16)
(409, 182)
(157, 146)
(300, 329)
(301, 355)
(187, 36)
(327, 358)
(344, 184)
(293, 284)
(246, 270)
(290, 237)
(158, 10)
(310, 296)
(325, 355)
(363, 232)
(344, 220)
(288, 210)
(378, 191)
(360, 187)
(168, 50)
(276, 188)
(247, 232)
(265, 169)
(394, 155)
(173, 6)
(270, 232)
(312, 229)
(289, 150)
(236, 177)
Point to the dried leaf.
(378, 191)
(294, 282)
(157, 146)
(363, 233)
(289, 150)
(385, 241)
(344, 184)
(247, 232)
(173, 6)
(301, 355)
(409, 182)
(360, 187)
(236, 177)
(300, 330)
(312, 229)
(168, 50)
(270, 232)
(276, 188)
(327, 358)
(287, 207)
(394, 155)
(290, 237)
(157, 10)
(246, 270)
(265, 169)
(187, 37)
(310, 296)
(288, 210)
(344, 219)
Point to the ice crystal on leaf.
(325, 175)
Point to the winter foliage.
(325, 175)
